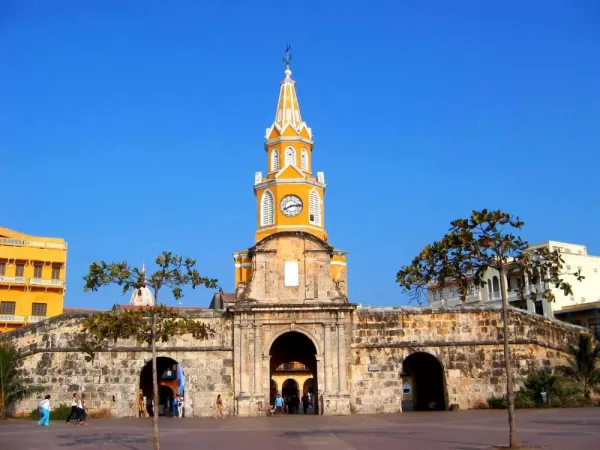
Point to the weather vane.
(287, 56)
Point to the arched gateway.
(424, 386)
(293, 361)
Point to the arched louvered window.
(304, 160)
(275, 160)
(267, 214)
(290, 156)
(314, 208)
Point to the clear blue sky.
(129, 127)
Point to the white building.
(582, 308)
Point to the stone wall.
(111, 380)
(359, 360)
(467, 342)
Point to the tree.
(543, 380)
(467, 251)
(146, 324)
(12, 386)
(583, 364)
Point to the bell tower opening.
(293, 369)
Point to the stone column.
(328, 360)
(342, 380)
(320, 380)
(257, 360)
(243, 358)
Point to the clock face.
(290, 205)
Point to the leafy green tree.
(583, 365)
(543, 380)
(146, 324)
(460, 260)
(12, 386)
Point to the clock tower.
(290, 202)
(289, 196)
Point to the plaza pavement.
(570, 429)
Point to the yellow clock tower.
(290, 194)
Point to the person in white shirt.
(73, 408)
(45, 407)
(81, 413)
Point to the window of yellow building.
(37, 271)
(56, 273)
(7, 308)
(39, 309)
(2, 269)
(20, 270)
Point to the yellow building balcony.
(46, 283)
(30, 243)
(12, 280)
(33, 319)
(11, 318)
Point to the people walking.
(305, 402)
(219, 405)
(73, 414)
(278, 404)
(45, 407)
(81, 412)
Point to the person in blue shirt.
(278, 404)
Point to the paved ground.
(570, 429)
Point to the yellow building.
(290, 197)
(32, 278)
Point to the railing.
(29, 243)
(32, 319)
(12, 280)
(4, 318)
(42, 282)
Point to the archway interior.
(290, 388)
(294, 354)
(170, 383)
(428, 387)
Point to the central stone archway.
(294, 354)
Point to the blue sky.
(129, 127)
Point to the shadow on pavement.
(74, 440)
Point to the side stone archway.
(424, 387)
(170, 383)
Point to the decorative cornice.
(280, 139)
(269, 183)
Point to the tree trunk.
(154, 386)
(509, 380)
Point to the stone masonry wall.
(111, 380)
(467, 342)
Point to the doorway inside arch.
(424, 387)
(171, 383)
(293, 363)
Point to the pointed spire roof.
(288, 109)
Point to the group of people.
(78, 410)
(291, 404)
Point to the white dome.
(142, 297)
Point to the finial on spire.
(287, 59)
